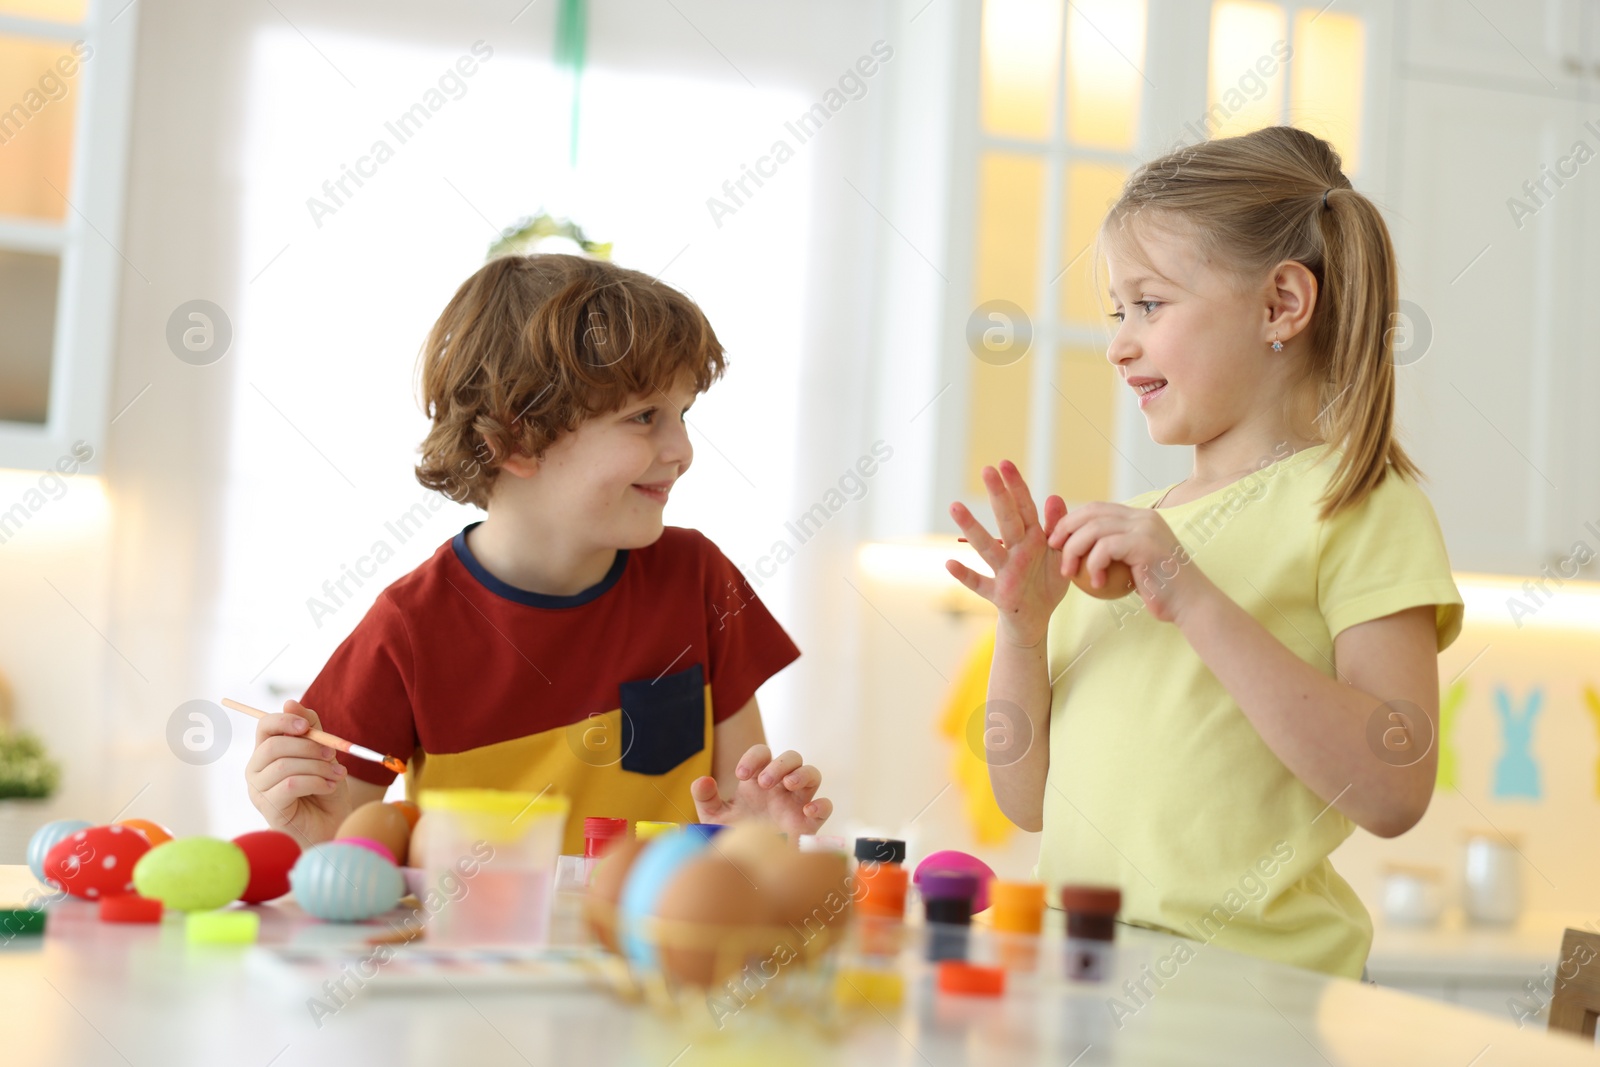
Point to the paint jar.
(880, 908)
(1091, 928)
(515, 838)
(644, 830)
(1016, 915)
(823, 843)
(880, 850)
(599, 834)
(947, 903)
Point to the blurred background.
(226, 228)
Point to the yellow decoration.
(968, 770)
(1592, 698)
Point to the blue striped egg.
(45, 838)
(345, 883)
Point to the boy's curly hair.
(531, 346)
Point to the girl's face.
(1190, 341)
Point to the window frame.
(89, 282)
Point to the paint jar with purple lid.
(947, 904)
(1091, 929)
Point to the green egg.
(192, 873)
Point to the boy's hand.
(294, 781)
(1027, 583)
(782, 791)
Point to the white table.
(91, 993)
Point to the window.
(1064, 112)
(1059, 98)
(64, 67)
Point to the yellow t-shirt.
(1160, 785)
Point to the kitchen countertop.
(90, 993)
(1458, 948)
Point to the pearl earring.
(1277, 345)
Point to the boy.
(569, 641)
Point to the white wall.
(233, 490)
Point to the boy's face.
(609, 479)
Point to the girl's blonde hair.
(1254, 201)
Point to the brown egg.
(605, 889)
(417, 852)
(1119, 581)
(754, 846)
(380, 822)
(709, 913)
(810, 894)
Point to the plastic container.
(492, 855)
(599, 834)
(1016, 914)
(644, 829)
(880, 850)
(947, 899)
(1091, 927)
(880, 908)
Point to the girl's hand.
(1028, 580)
(781, 791)
(1164, 575)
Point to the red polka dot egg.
(97, 862)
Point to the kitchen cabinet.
(1495, 142)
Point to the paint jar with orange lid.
(1016, 916)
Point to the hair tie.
(1325, 193)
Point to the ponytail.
(1276, 194)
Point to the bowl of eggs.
(690, 914)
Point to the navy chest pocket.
(667, 718)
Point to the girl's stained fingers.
(1106, 551)
(1006, 514)
(1055, 509)
(1082, 540)
(1012, 478)
(978, 583)
(1069, 523)
(988, 549)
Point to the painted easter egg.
(193, 873)
(341, 882)
(384, 823)
(96, 863)
(153, 832)
(647, 879)
(270, 853)
(45, 838)
(377, 848)
(951, 860)
(409, 810)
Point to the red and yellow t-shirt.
(607, 696)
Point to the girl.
(1206, 744)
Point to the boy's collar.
(523, 596)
